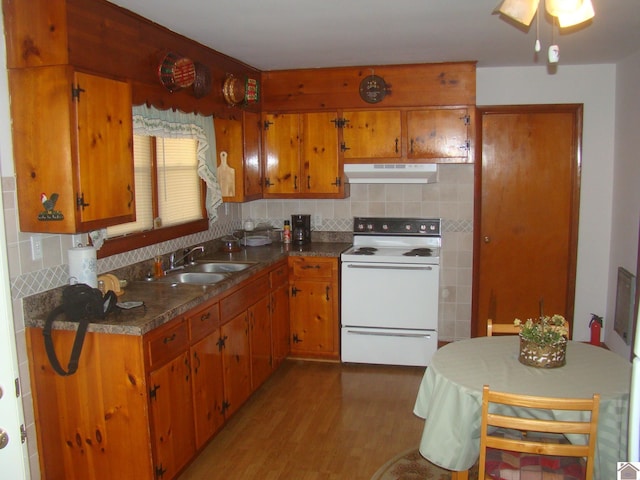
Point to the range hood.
(391, 172)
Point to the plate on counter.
(255, 240)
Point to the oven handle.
(389, 334)
(389, 267)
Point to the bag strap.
(77, 343)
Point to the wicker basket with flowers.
(543, 341)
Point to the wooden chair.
(545, 449)
(501, 328)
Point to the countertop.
(165, 301)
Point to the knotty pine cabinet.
(429, 135)
(244, 313)
(206, 363)
(372, 135)
(279, 308)
(301, 156)
(143, 406)
(314, 307)
(239, 136)
(73, 142)
(170, 398)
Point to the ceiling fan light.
(562, 7)
(521, 11)
(584, 13)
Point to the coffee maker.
(300, 229)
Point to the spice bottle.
(286, 238)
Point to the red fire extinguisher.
(596, 326)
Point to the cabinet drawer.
(243, 298)
(168, 343)
(312, 267)
(204, 321)
(279, 276)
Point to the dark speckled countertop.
(165, 301)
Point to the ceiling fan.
(568, 12)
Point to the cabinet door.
(252, 172)
(282, 153)
(320, 163)
(239, 137)
(236, 363)
(372, 134)
(261, 355)
(313, 323)
(172, 415)
(105, 150)
(438, 134)
(208, 387)
(280, 323)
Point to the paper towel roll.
(83, 266)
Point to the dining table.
(449, 397)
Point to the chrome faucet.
(186, 257)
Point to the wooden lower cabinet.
(314, 306)
(143, 406)
(236, 363)
(279, 307)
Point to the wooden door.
(261, 355)
(236, 363)
(527, 212)
(208, 387)
(172, 415)
(438, 134)
(280, 323)
(312, 318)
(252, 167)
(282, 153)
(320, 165)
(105, 150)
(369, 135)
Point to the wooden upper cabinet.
(239, 137)
(301, 156)
(72, 141)
(282, 153)
(371, 134)
(439, 134)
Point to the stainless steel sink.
(218, 267)
(196, 278)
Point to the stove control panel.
(397, 226)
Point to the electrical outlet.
(36, 247)
(317, 220)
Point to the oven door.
(390, 295)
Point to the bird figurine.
(49, 203)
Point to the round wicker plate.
(233, 90)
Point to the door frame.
(577, 110)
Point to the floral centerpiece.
(543, 341)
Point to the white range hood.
(391, 172)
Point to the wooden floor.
(315, 420)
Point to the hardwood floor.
(315, 420)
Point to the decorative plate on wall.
(373, 89)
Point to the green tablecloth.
(450, 396)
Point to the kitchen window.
(177, 191)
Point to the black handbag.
(80, 303)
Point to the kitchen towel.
(83, 266)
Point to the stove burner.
(365, 251)
(418, 252)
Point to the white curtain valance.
(150, 121)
